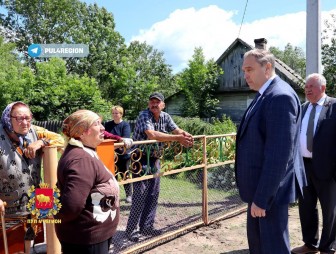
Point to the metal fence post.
(205, 184)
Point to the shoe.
(133, 237)
(129, 199)
(151, 231)
(304, 249)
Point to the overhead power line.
(242, 18)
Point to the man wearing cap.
(152, 124)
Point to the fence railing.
(56, 125)
(197, 186)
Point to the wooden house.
(233, 93)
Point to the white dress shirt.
(261, 91)
(304, 126)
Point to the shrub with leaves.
(197, 126)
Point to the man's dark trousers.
(259, 229)
(144, 200)
(325, 192)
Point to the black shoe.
(133, 237)
(151, 232)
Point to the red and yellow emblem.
(44, 198)
(44, 201)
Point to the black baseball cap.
(157, 95)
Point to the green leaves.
(329, 55)
(199, 84)
(294, 57)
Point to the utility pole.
(313, 37)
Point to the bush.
(223, 176)
(196, 126)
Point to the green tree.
(294, 57)
(13, 76)
(144, 71)
(107, 48)
(55, 94)
(40, 22)
(125, 75)
(199, 82)
(67, 21)
(329, 55)
(50, 91)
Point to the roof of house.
(296, 79)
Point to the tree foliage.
(199, 82)
(144, 71)
(13, 75)
(294, 57)
(54, 94)
(329, 55)
(68, 21)
(107, 47)
(125, 75)
(51, 92)
(39, 22)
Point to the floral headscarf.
(78, 122)
(7, 123)
(6, 115)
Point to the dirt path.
(226, 236)
(223, 237)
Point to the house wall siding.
(233, 77)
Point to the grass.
(173, 188)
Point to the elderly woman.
(121, 128)
(89, 191)
(20, 157)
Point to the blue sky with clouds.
(176, 27)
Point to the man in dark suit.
(269, 165)
(320, 164)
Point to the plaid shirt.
(146, 121)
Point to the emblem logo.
(43, 201)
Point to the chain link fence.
(197, 187)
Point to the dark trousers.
(325, 192)
(98, 248)
(122, 165)
(144, 202)
(269, 234)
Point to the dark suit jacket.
(324, 144)
(268, 156)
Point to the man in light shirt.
(320, 165)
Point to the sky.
(177, 27)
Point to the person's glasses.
(20, 119)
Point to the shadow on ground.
(237, 252)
